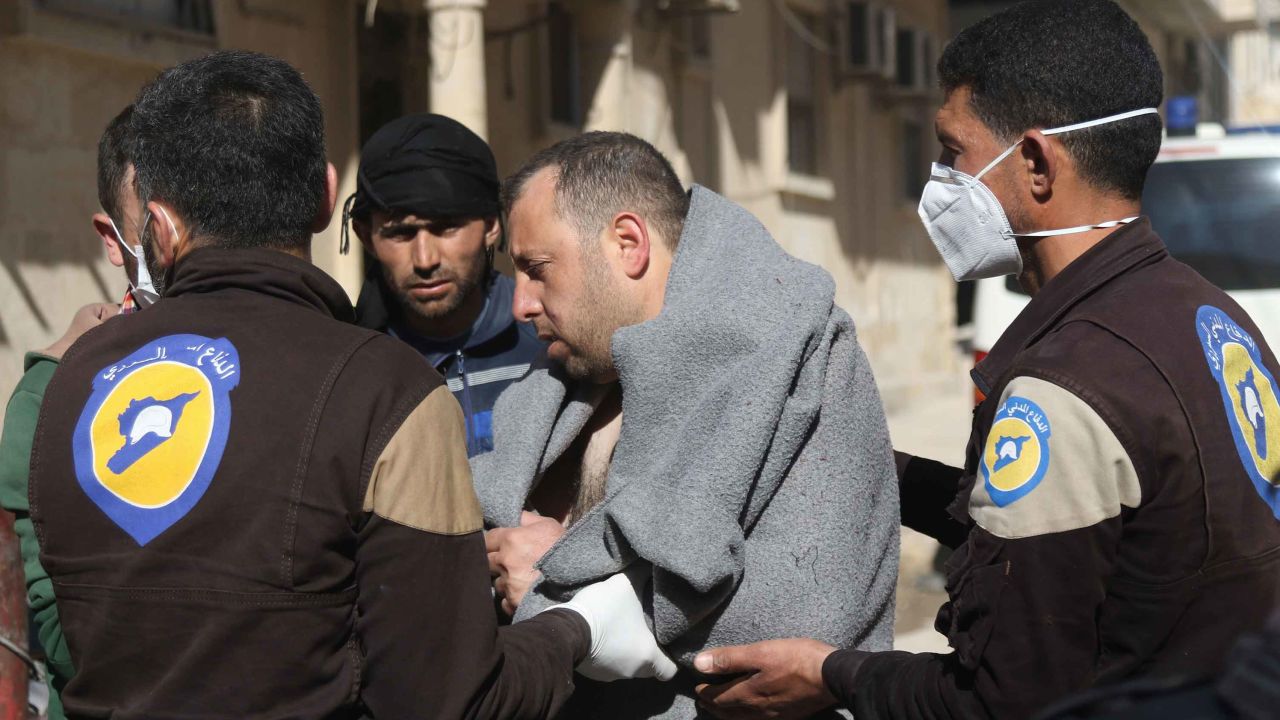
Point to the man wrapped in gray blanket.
(705, 410)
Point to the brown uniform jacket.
(251, 508)
(1117, 513)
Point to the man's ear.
(166, 234)
(1042, 161)
(102, 225)
(492, 232)
(330, 199)
(629, 235)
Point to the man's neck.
(302, 252)
(1045, 258)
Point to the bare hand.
(783, 679)
(85, 319)
(512, 553)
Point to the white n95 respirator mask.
(969, 227)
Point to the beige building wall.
(66, 74)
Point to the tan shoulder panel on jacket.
(1051, 464)
(422, 478)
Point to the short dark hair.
(601, 173)
(1049, 63)
(115, 152)
(234, 141)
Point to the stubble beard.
(604, 310)
(433, 310)
(1031, 279)
(157, 273)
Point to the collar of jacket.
(1119, 252)
(259, 270)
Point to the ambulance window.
(1220, 217)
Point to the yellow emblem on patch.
(1257, 412)
(165, 408)
(1248, 396)
(1016, 457)
(151, 434)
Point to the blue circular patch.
(151, 435)
(1016, 456)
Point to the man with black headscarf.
(426, 211)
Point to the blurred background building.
(814, 114)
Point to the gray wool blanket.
(753, 472)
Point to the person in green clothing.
(120, 239)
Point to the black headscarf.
(430, 165)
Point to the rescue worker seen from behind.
(1116, 516)
(426, 211)
(252, 508)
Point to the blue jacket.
(478, 365)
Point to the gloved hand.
(621, 645)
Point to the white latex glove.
(621, 645)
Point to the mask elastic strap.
(1101, 121)
(1069, 128)
(172, 227)
(999, 159)
(1078, 228)
(144, 283)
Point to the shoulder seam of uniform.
(308, 446)
(1104, 409)
(1100, 406)
(427, 530)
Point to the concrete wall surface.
(66, 72)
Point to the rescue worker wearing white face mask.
(1116, 516)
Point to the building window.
(914, 172)
(928, 65)
(392, 72)
(1191, 80)
(860, 51)
(802, 98)
(565, 83)
(908, 57)
(700, 36)
(192, 16)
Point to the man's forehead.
(538, 194)
(956, 109)
(533, 209)
(957, 121)
(406, 217)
